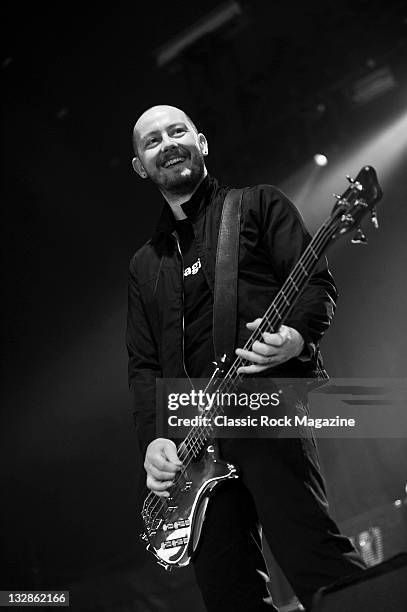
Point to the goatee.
(182, 182)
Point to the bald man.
(169, 334)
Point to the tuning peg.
(375, 221)
(354, 184)
(338, 197)
(359, 237)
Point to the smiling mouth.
(173, 162)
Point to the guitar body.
(174, 524)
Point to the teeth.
(175, 160)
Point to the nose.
(167, 142)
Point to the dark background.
(269, 90)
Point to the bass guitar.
(173, 525)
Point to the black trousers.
(280, 488)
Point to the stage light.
(385, 148)
(373, 84)
(320, 160)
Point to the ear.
(138, 167)
(203, 144)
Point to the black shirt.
(272, 238)
(198, 307)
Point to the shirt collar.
(198, 201)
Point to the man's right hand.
(161, 464)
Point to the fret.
(276, 310)
(267, 318)
(293, 283)
(285, 298)
(313, 252)
(303, 268)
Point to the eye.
(179, 130)
(151, 142)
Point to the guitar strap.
(226, 276)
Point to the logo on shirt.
(194, 268)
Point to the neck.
(175, 200)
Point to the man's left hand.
(275, 349)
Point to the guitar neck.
(360, 197)
(292, 288)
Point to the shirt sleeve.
(143, 365)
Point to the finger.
(160, 474)
(252, 369)
(158, 485)
(161, 494)
(286, 332)
(170, 453)
(252, 325)
(166, 457)
(160, 463)
(264, 349)
(277, 339)
(254, 357)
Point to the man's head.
(169, 149)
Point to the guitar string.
(196, 443)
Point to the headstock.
(361, 197)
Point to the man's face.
(170, 152)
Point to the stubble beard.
(182, 182)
